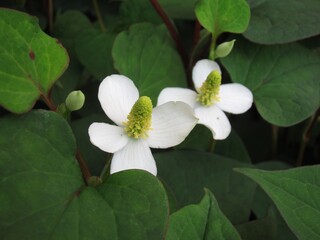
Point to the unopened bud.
(224, 49)
(75, 100)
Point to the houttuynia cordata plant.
(160, 119)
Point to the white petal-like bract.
(234, 98)
(214, 119)
(175, 94)
(117, 94)
(135, 155)
(171, 124)
(201, 70)
(108, 138)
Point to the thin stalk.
(83, 166)
(196, 35)
(212, 145)
(99, 16)
(212, 53)
(49, 102)
(306, 137)
(172, 30)
(50, 15)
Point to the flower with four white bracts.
(140, 126)
(211, 98)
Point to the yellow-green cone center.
(139, 118)
(209, 91)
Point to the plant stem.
(83, 166)
(98, 13)
(212, 145)
(306, 137)
(49, 102)
(50, 16)
(196, 35)
(174, 34)
(212, 48)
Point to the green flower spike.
(209, 91)
(139, 118)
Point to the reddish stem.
(196, 36)
(49, 103)
(83, 166)
(174, 34)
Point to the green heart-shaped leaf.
(274, 21)
(284, 79)
(218, 16)
(147, 55)
(30, 61)
(42, 193)
(202, 221)
(296, 193)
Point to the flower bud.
(75, 100)
(224, 49)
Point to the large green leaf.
(139, 203)
(202, 221)
(218, 16)
(296, 193)
(284, 79)
(188, 172)
(43, 196)
(147, 55)
(30, 61)
(93, 48)
(274, 21)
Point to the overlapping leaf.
(284, 79)
(219, 16)
(30, 61)
(42, 193)
(296, 193)
(202, 221)
(146, 55)
(274, 21)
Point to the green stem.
(212, 48)
(306, 136)
(212, 145)
(98, 13)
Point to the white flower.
(211, 98)
(139, 126)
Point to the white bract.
(211, 98)
(139, 126)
